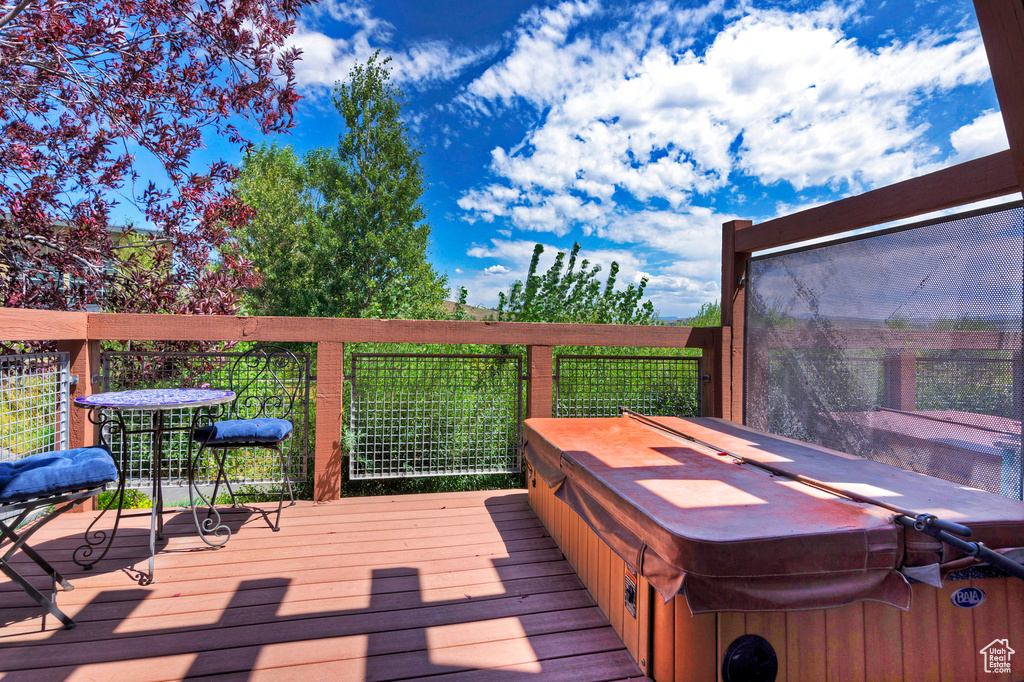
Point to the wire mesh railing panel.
(933, 310)
(124, 371)
(970, 384)
(34, 392)
(434, 415)
(601, 385)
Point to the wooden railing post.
(734, 287)
(540, 367)
(721, 378)
(84, 363)
(709, 368)
(899, 380)
(330, 385)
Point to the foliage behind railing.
(983, 385)
(33, 404)
(420, 414)
(980, 385)
(601, 385)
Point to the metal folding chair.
(62, 480)
(267, 381)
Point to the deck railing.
(34, 410)
(125, 370)
(80, 335)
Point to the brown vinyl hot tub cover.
(733, 537)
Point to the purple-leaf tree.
(107, 101)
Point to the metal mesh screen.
(601, 385)
(123, 371)
(903, 346)
(968, 384)
(434, 415)
(34, 390)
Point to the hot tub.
(686, 550)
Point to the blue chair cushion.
(55, 472)
(234, 431)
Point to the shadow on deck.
(450, 586)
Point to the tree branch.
(15, 11)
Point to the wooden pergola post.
(734, 274)
(1002, 30)
(709, 367)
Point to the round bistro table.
(107, 409)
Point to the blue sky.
(637, 128)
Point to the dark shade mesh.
(903, 347)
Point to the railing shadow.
(406, 631)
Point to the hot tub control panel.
(630, 592)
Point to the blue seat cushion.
(55, 472)
(234, 431)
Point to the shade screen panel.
(903, 346)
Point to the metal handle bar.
(974, 549)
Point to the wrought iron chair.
(267, 381)
(62, 479)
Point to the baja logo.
(968, 597)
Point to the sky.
(638, 128)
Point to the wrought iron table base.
(95, 539)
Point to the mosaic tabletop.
(157, 398)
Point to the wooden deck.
(451, 586)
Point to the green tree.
(277, 239)
(342, 233)
(574, 295)
(709, 315)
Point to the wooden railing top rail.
(18, 324)
(39, 325)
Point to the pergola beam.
(985, 178)
(1002, 28)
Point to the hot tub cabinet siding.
(867, 641)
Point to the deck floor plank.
(448, 586)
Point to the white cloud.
(489, 202)
(694, 234)
(326, 60)
(983, 136)
(637, 125)
(542, 63)
(497, 270)
(785, 97)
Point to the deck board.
(448, 586)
